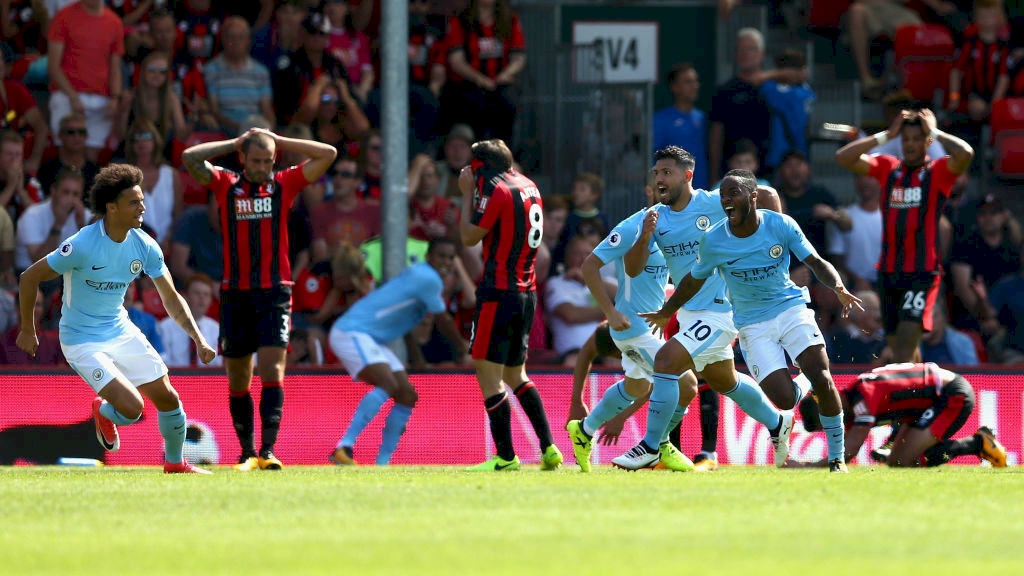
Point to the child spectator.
(586, 217)
(790, 106)
(745, 156)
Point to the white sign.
(627, 52)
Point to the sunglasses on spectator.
(345, 174)
(153, 68)
(328, 99)
(76, 132)
(143, 136)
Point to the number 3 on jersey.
(536, 232)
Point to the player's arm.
(196, 159)
(960, 153)
(827, 274)
(768, 198)
(592, 276)
(178, 310)
(684, 291)
(321, 156)
(636, 258)
(854, 156)
(471, 233)
(28, 287)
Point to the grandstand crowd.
(89, 82)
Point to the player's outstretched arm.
(179, 311)
(826, 273)
(960, 152)
(28, 287)
(592, 277)
(321, 156)
(686, 290)
(196, 159)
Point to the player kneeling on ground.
(933, 401)
(99, 341)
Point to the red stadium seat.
(1007, 124)
(923, 77)
(827, 13)
(924, 57)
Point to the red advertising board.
(45, 415)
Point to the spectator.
(295, 74)
(154, 101)
(572, 314)
(196, 244)
(332, 114)
(238, 86)
(682, 124)
(870, 19)
(19, 112)
(892, 106)
(986, 255)
(179, 349)
(486, 53)
(23, 25)
(162, 188)
(856, 251)
(144, 321)
(981, 71)
(737, 109)
(45, 225)
(282, 36)
(49, 352)
(432, 216)
(350, 47)
(790, 104)
(199, 24)
(810, 205)
(944, 345)
(7, 277)
(862, 339)
(371, 164)
(347, 217)
(303, 349)
(427, 49)
(71, 153)
(585, 218)
(457, 154)
(85, 45)
(18, 190)
(1002, 321)
(745, 156)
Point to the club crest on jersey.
(754, 370)
(703, 223)
(614, 238)
(775, 251)
(66, 249)
(135, 267)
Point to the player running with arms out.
(913, 194)
(99, 263)
(704, 342)
(360, 337)
(749, 250)
(637, 345)
(503, 208)
(934, 404)
(256, 289)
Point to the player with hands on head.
(750, 250)
(99, 263)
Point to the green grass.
(405, 520)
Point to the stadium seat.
(1007, 125)
(924, 57)
(826, 14)
(922, 78)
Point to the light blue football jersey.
(646, 292)
(394, 309)
(97, 272)
(679, 236)
(756, 269)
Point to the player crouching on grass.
(933, 401)
(99, 341)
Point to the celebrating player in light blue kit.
(360, 339)
(706, 332)
(750, 251)
(98, 340)
(630, 335)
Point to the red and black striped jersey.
(509, 206)
(427, 48)
(484, 50)
(893, 392)
(912, 203)
(981, 64)
(254, 223)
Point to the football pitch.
(442, 520)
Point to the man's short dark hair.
(262, 141)
(494, 154)
(791, 58)
(745, 146)
(746, 179)
(681, 157)
(678, 70)
(440, 241)
(111, 181)
(65, 173)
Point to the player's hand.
(466, 183)
(657, 320)
(611, 431)
(577, 411)
(897, 124)
(930, 122)
(618, 321)
(650, 223)
(28, 342)
(205, 353)
(848, 300)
